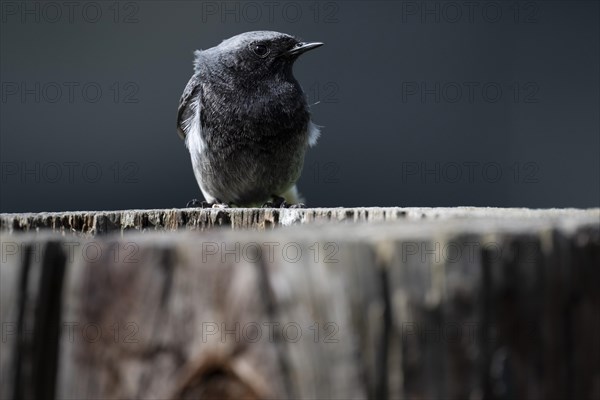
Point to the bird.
(246, 121)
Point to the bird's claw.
(279, 202)
(195, 203)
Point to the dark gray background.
(535, 144)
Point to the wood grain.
(499, 305)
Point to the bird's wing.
(186, 105)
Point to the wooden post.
(399, 303)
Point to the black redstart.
(246, 121)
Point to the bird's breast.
(267, 110)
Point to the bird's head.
(259, 53)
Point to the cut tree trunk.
(463, 303)
(91, 223)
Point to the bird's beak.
(302, 48)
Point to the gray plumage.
(245, 119)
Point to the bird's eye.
(260, 50)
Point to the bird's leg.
(195, 203)
(279, 202)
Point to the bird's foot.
(279, 202)
(195, 203)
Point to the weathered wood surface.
(103, 222)
(486, 307)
